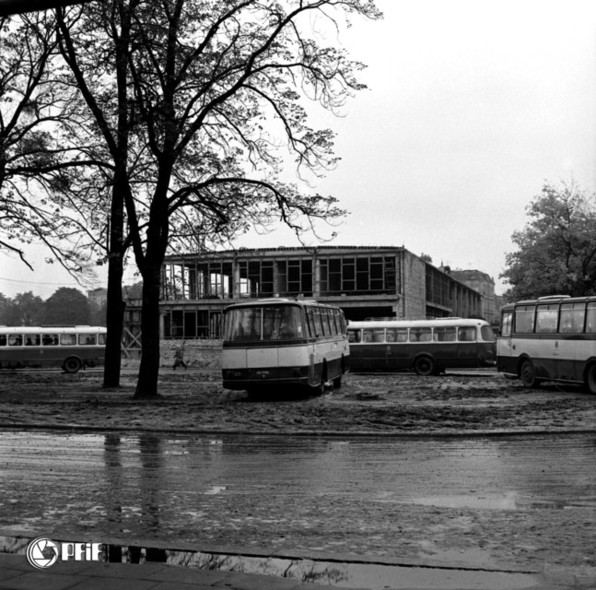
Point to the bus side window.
(378, 335)
(15, 340)
(467, 334)
(310, 320)
(591, 318)
(444, 334)
(487, 334)
(367, 335)
(337, 319)
(547, 317)
(420, 334)
(506, 323)
(3, 339)
(68, 339)
(49, 339)
(326, 322)
(353, 335)
(524, 319)
(87, 339)
(101, 339)
(572, 318)
(32, 340)
(401, 334)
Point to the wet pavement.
(148, 484)
(335, 510)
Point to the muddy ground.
(475, 402)
(194, 400)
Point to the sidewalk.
(17, 574)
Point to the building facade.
(366, 282)
(485, 285)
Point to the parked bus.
(71, 348)
(283, 342)
(426, 346)
(549, 339)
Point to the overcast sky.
(472, 106)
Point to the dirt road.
(194, 400)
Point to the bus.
(284, 342)
(426, 346)
(549, 339)
(71, 348)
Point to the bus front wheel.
(527, 374)
(591, 379)
(424, 366)
(72, 364)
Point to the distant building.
(363, 281)
(485, 285)
(97, 298)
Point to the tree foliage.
(25, 309)
(556, 252)
(35, 112)
(67, 306)
(199, 104)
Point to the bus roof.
(551, 299)
(439, 322)
(279, 301)
(51, 329)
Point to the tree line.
(65, 307)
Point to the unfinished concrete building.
(366, 282)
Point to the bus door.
(445, 346)
(396, 349)
(467, 346)
(373, 349)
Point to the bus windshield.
(264, 323)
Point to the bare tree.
(201, 96)
(33, 109)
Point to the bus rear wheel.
(590, 379)
(527, 374)
(424, 366)
(320, 388)
(72, 364)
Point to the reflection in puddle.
(358, 575)
(341, 574)
(504, 501)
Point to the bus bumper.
(254, 378)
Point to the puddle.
(336, 574)
(505, 501)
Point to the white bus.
(549, 339)
(425, 346)
(283, 342)
(71, 348)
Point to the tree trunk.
(149, 368)
(114, 322)
(115, 307)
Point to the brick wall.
(414, 304)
